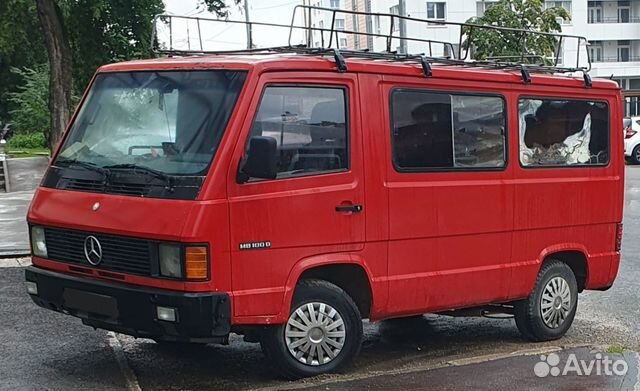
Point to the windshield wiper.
(86, 165)
(150, 171)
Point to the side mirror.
(261, 161)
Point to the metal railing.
(613, 19)
(615, 59)
(460, 53)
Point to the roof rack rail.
(309, 39)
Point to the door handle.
(349, 208)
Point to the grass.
(616, 348)
(28, 152)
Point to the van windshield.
(167, 123)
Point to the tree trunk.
(60, 63)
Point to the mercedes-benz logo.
(92, 250)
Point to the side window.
(563, 132)
(446, 131)
(309, 126)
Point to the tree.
(82, 35)
(29, 104)
(18, 48)
(60, 66)
(527, 15)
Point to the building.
(611, 26)
(320, 19)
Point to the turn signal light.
(197, 262)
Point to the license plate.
(91, 303)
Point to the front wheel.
(323, 332)
(548, 312)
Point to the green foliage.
(617, 348)
(20, 46)
(30, 103)
(105, 31)
(97, 31)
(26, 141)
(519, 14)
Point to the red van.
(287, 196)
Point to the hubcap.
(315, 333)
(556, 302)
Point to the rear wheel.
(548, 312)
(635, 155)
(323, 332)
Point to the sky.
(225, 36)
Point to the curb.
(14, 253)
(333, 381)
(15, 262)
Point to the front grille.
(95, 186)
(119, 253)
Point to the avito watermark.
(600, 365)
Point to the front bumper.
(127, 309)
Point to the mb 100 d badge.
(255, 245)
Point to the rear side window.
(433, 130)
(309, 125)
(561, 132)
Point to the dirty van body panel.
(278, 223)
(450, 230)
(562, 209)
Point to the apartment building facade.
(612, 28)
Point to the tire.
(635, 155)
(549, 310)
(281, 342)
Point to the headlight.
(170, 260)
(38, 242)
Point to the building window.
(436, 10)
(595, 12)
(334, 3)
(624, 12)
(339, 24)
(395, 10)
(483, 6)
(623, 83)
(433, 130)
(624, 51)
(563, 132)
(595, 51)
(343, 43)
(377, 24)
(559, 4)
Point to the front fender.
(309, 263)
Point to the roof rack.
(309, 39)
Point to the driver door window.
(309, 126)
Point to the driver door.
(314, 205)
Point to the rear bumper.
(127, 309)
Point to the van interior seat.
(327, 129)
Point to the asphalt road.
(45, 350)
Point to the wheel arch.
(340, 269)
(576, 257)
